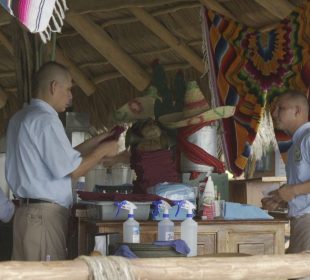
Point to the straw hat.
(138, 108)
(196, 110)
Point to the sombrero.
(196, 110)
(138, 108)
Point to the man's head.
(291, 110)
(53, 83)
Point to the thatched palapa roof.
(109, 47)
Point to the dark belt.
(32, 200)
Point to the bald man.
(41, 164)
(291, 113)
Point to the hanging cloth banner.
(248, 68)
(38, 16)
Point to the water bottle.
(165, 229)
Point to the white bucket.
(205, 138)
(96, 176)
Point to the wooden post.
(267, 267)
(103, 43)
(150, 22)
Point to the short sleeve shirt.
(39, 155)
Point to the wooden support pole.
(156, 27)
(103, 43)
(87, 86)
(267, 267)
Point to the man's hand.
(271, 203)
(287, 192)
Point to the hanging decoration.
(248, 68)
(38, 16)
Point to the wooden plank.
(5, 17)
(87, 86)
(279, 8)
(3, 98)
(103, 43)
(6, 43)
(217, 7)
(216, 268)
(114, 75)
(155, 26)
(82, 6)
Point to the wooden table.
(217, 236)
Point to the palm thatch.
(110, 45)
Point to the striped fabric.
(43, 16)
(248, 68)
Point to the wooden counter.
(217, 236)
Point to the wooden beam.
(156, 27)
(138, 54)
(267, 267)
(103, 43)
(279, 8)
(125, 20)
(114, 75)
(89, 6)
(79, 78)
(217, 7)
(163, 11)
(5, 17)
(6, 43)
(3, 99)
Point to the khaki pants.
(40, 232)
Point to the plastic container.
(131, 230)
(165, 229)
(121, 175)
(189, 234)
(106, 210)
(189, 227)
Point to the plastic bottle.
(131, 228)
(189, 227)
(208, 200)
(165, 229)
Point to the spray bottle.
(165, 229)
(131, 228)
(188, 227)
(208, 200)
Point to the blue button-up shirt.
(298, 169)
(39, 156)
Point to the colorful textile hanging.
(248, 68)
(40, 16)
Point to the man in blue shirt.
(41, 164)
(6, 208)
(291, 115)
